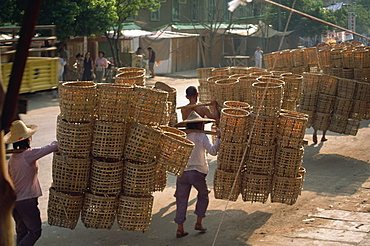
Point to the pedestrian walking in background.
(258, 54)
(88, 68)
(23, 169)
(64, 53)
(101, 63)
(195, 173)
(151, 61)
(78, 66)
(61, 66)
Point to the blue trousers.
(28, 222)
(183, 187)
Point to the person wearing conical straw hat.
(195, 173)
(23, 168)
(192, 96)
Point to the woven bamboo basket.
(138, 178)
(286, 190)
(346, 88)
(70, 174)
(203, 74)
(149, 106)
(173, 119)
(263, 130)
(106, 176)
(328, 85)
(256, 187)
(142, 143)
(113, 102)
(347, 58)
(134, 213)
(224, 187)
(99, 212)
(289, 104)
(174, 153)
(348, 73)
(336, 57)
(343, 106)
(352, 127)
(310, 115)
(131, 69)
(77, 101)
(279, 73)
(245, 87)
(298, 57)
(204, 94)
(360, 74)
(362, 91)
(266, 98)
(311, 55)
(359, 109)
(361, 58)
(239, 70)
(270, 60)
(291, 129)
(108, 139)
(325, 58)
(230, 155)
(321, 121)
(252, 70)
(238, 105)
(172, 94)
(160, 180)
(311, 83)
(325, 103)
(286, 58)
(260, 159)
(328, 70)
(293, 86)
(236, 76)
(130, 78)
(74, 139)
(173, 130)
(271, 80)
(211, 82)
(64, 208)
(338, 123)
(234, 125)
(336, 71)
(227, 90)
(260, 74)
(221, 71)
(288, 161)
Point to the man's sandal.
(199, 227)
(180, 234)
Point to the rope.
(249, 138)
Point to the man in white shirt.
(195, 173)
(258, 57)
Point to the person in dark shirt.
(151, 61)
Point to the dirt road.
(332, 210)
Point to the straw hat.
(194, 118)
(19, 131)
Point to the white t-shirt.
(257, 55)
(197, 160)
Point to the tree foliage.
(302, 26)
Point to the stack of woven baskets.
(288, 175)
(71, 166)
(203, 74)
(114, 152)
(335, 104)
(234, 125)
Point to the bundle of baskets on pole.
(115, 149)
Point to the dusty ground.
(337, 179)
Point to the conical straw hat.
(19, 131)
(194, 118)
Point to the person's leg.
(30, 214)
(323, 139)
(151, 69)
(20, 227)
(99, 76)
(314, 137)
(182, 196)
(199, 182)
